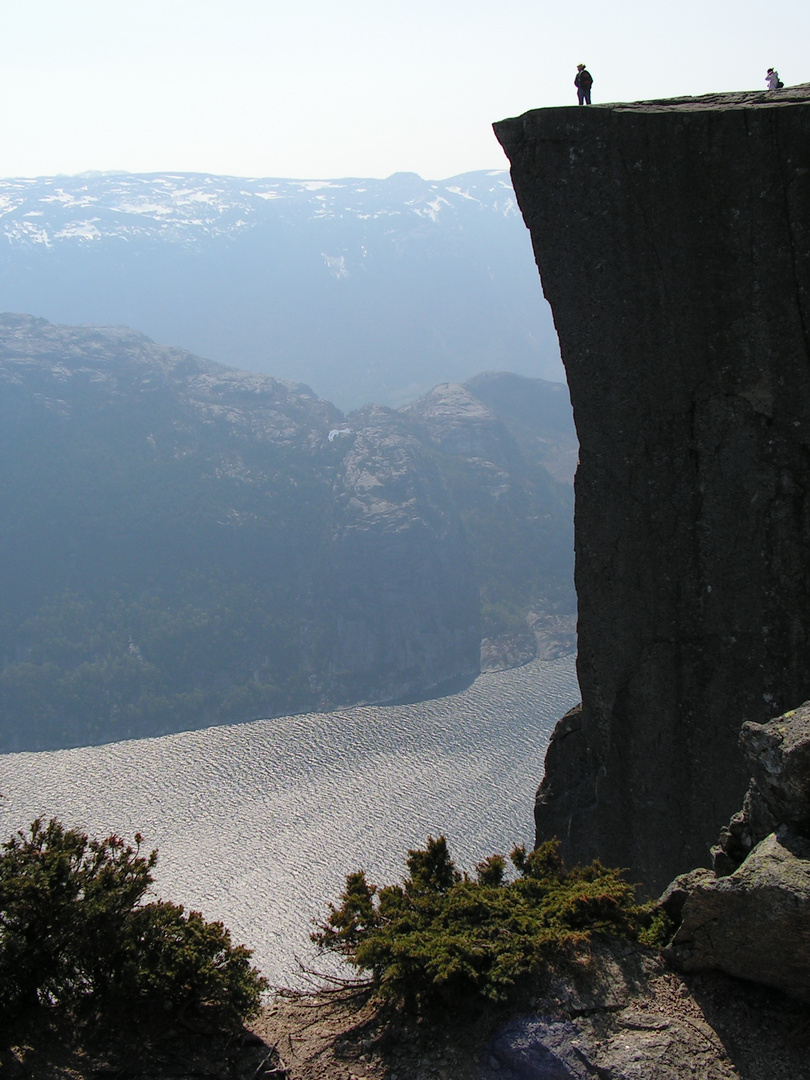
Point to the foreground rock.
(623, 1016)
(751, 917)
(629, 1018)
(755, 923)
(778, 755)
(673, 241)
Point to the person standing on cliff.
(773, 80)
(583, 81)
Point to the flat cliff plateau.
(673, 242)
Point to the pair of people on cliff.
(583, 81)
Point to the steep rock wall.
(673, 242)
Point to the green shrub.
(440, 935)
(180, 958)
(73, 928)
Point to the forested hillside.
(186, 544)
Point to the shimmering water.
(258, 824)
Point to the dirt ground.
(758, 1034)
(336, 1036)
(748, 1032)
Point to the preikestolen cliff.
(672, 239)
(673, 242)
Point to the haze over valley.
(187, 544)
(366, 290)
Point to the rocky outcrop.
(621, 1017)
(751, 917)
(624, 1014)
(778, 755)
(755, 923)
(673, 241)
(778, 796)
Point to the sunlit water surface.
(257, 824)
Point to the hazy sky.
(331, 88)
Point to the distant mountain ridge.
(183, 207)
(367, 290)
(187, 544)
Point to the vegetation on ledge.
(441, 936)
(76, 935)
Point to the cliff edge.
(673, 242)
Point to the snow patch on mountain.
(181, 207)
(83, 230)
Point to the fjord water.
(257, 824)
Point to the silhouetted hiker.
(773, 80)
(583, 82)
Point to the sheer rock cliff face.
(673, 241)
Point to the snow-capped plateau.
(364, 289)
(182, 207)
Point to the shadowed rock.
(612, 1019)
(751, 918)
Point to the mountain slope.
(367, 290)
(187, 544)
